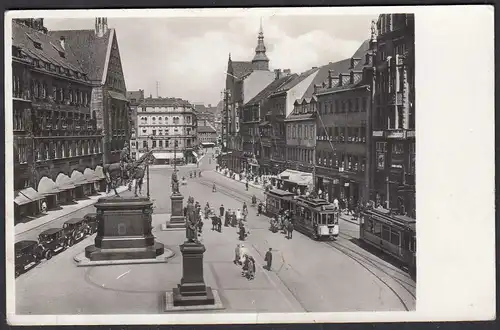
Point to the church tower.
(260, 60)
(101, 26)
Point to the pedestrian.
(246, 184)
(227, 218)
(251, 268)
(185, 211)
(234, 220)
(243, 253)
(269, 259)
(221, 209)
(289, 230)
(336, 204)
(238, 214)
(237, 256)
(44, 206)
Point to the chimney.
(340, 79)
(354, 62)
(330, 76)
(150, 96)
(62, 39)
(277, 74)
(351, 77)
(316, 88)
(287, 72)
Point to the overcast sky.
(188, 56)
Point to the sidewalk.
(251, 184)
(66, 209)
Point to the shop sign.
(378, 133)
(380, 161)
(410, 134)
(346, 184)
(396, 166)
(396, 134)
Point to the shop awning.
(63, 182)
(90, 175)
(21, 199)
(297, 177)
(117, 96)
(167, 155)
(47, 187)
(31, 194)
(78, 178)
(99, 172)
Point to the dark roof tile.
(241, 69)
(90, 49)
(271, 88)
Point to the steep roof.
(165, 102)
(137, 95)
(206, 129)
(298, 79)
(49, 50)
(271, 88)
(241, 68)
(90, 49)
(365, 47)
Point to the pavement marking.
(123, 274)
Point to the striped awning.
(31, 194)
(166, 155)
(90, 175)
(21, 199)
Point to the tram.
(392, 234)
(315, 217)
(276, 200)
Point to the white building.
(161, 122)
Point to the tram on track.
(276, 200)
(392, 234)
(315, 217)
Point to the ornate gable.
(114, 75)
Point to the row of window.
(175, 120)
(346, 105)
(305, 108)
(344, 134)
(40, 90)
(166, 131)
(301, 131)
(164, 109)
(344, 162)
(56, 150)
(397, 148)
(300, 155)
(161, 143)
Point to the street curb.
(49, 220)
(82, 261)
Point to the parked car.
(91, 219)
(27, 256)
(75, 230)
(52, 241)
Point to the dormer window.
(37, 44)
(62, 54)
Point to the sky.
(188, 55)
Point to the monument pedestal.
(192, 291)
(177, 217)
(124, 230)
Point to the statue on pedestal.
(191, 222)
(175, 183)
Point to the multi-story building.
(251, 134)
(168, 127)
(57, 143)
(98, 53)
(393, 120)
(135, 98)
(206, 134)
(244, 80)
(341, 147)
(301, 135)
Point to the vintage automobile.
(52, 241)
(91, 219)
(75, 230)
(27, 256)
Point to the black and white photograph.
(209, 164)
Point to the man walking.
(221, 209)
(269, 259)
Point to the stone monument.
(192, 290)
(177, 216)
(124, 230)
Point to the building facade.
(168, 127)
(206, 134)
(56, 138)
(301, 135)
(393, 120)
(244, 80)
(341, 149)
(98, 53)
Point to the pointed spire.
(260, 60)
(229, 56)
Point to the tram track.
(364, 261)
